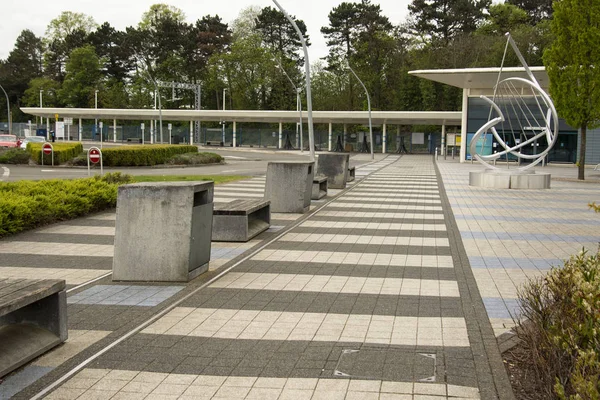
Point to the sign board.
(458, 139)
(418, 138)
(451, 139)
(59, 129)
(94, 155)
(55, 116)
(170, 126)
(101, 125)
(68, 121)
(142, 125)
(47, 148)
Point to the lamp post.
(224, 89)
(298, 104)
(369, 105)
(311, 134)
(8, 110)
(96, 120)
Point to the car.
(8, 141)
(32, 139)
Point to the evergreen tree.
(572, 63)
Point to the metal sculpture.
(516, 116)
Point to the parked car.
(32, 139)
(8, 141)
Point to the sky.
(36, 14)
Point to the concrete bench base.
(33, 320)
(240, 220)
(319, 187)
(335, 168)
(351, 174)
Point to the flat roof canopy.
(480, 78)
(336, 117)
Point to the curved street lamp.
(8, 110)
(369, 105)
(311, 133)
(298, 103)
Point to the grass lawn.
(173, 178)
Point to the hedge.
(28, 204)
(63, 152)
(14, 156)
(130, 156)
(196, 159)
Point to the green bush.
(63, 152)
(14, 156)
(195, 159)
(28, 204)
(560, 328)
(142, 155)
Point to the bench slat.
(12, 285)
(28, 292)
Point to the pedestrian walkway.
(513, 235)
(366, 297)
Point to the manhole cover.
(386, 364)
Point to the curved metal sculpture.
(516, 116)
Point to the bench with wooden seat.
(218, 144)
(33, 319)
(240, 220)
(351, 174)
(319, 187)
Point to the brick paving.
(369, 296)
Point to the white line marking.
(5, 174)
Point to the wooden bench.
(219, 144)
(319, 187)
(134, 139)
(33, 319)
(351, 174)
(240, 220)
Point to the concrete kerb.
(183, 296)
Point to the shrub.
(63, 152)
(14, 156)
(142, 155)
(560, 328)
(196, 159)
(27, 204)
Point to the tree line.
(77, 56)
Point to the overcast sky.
(36, 14)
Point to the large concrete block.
(509, 179)
(289, 186)
(163, 231)
(335, 168)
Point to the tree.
(82, 78)
(67, 23)
(160, 11)
(31, 97)
(441, 20)
(110, 46)
(23, 64)
(502, 18)
(538, 10)
(572, 63)
(279, 35)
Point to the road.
(237, 162)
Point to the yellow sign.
(458, 139)
(55, 116)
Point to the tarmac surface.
(394, 288)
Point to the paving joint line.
(173, 305)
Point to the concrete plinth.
(335, 168)
(289, 186)
(163, 231)
(509, 179)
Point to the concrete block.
(319, 187)
(509, 179)
(240, 220)
(335, 168)
(163, 231)
(289, 186)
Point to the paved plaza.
(395, 288)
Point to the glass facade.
(565, 149)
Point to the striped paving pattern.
(278, 316)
